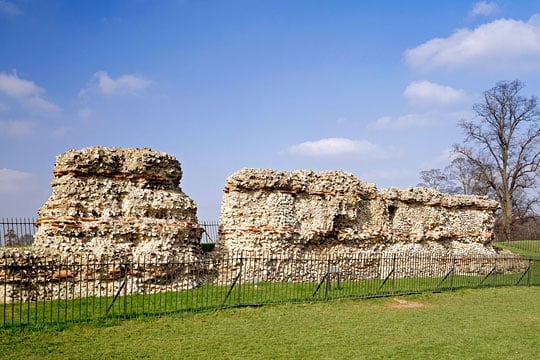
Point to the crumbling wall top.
(117, 202)
(431, 197)
(333, 212)
(141, 164)
(300, 181)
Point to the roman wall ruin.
(109, 207)
(116, 202)
(125, 207)
(332, 213)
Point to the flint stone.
(119, 202)
(332, 213)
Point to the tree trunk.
(506, 217)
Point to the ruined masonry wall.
(116, 202)
(118, 215)
(303, 213)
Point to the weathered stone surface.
(118, 216)
(119, 202)
(334, 213)
(419, 215)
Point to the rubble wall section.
(332, 213)
(115, 202)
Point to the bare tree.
(465, 178)
(504, 140)
(433, 178)
(460, 177)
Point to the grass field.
(488, 323)
(527, 248)
(209, 297)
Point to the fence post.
(239, 286)
(327, 278)
(394, 274)
(453, 272)
(529, 272)
(495, 272)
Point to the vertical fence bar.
(4, 302)
(177, 285)
(17, 231)
(135, 276)
(59, 282)
(66, 276)
(494, 271)
(20, 304)
(143, 271)
(393, 273)
(239, 283)
(29, 278)
(46, 288)
(529, 272)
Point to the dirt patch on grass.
(404, 304)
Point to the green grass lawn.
(208, 297)
(487, 323)
(527, 248)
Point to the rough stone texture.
(31, 274)
(332, 213)
(28, 276)
(113, 202)
(118, 216)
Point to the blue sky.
(375, 88)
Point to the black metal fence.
(20, 231)
(211, 232)
(57, 291)
(17, 231)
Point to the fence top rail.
(14, 258)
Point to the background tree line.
(500, 158)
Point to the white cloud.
(483, 8)
(445, 156)
(85, 113)
(39, 103)
(12, 180)
(16, 87)
(409, 121)
(501, 44)
(16, 127)
(428, 93)
(391, 177)
(418, 121)
(9, 8)
(25, 91)
(59, 132)
(438, 161)
(337, 146)
(125, 84)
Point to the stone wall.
(332, 213)
(116, 202)
(119, 216)
(109, 207)
(31, 274)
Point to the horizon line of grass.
(527, 248)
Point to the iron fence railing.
(17, 231)
(64, 290)
(211, 232)
(21, 231)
